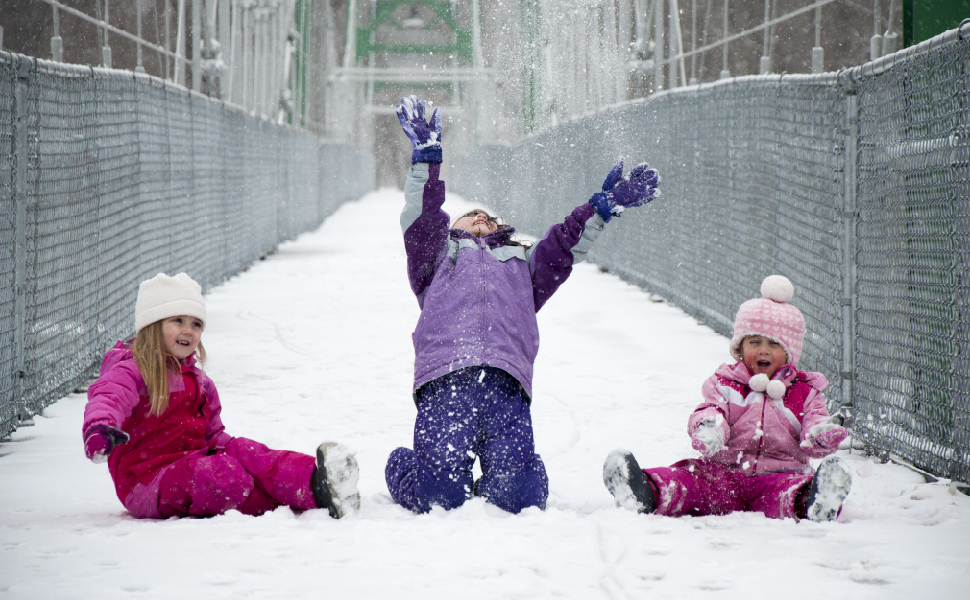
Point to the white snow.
(313, 344)
(708, 432)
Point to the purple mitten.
(100, 439)
(621, 192)
(425, 136)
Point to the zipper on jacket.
(761, 438)
(481, 249)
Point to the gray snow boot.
(829, 488)
(626, 481)
(335, 480)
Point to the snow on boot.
(335, 479)
(626, 481)
(829, 488)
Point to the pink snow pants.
(246, 476)
(698, 488)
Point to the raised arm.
(551, 260)
(423, 223)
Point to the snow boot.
(829, 488)
(335, 480)
(626, 481)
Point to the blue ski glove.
(621, 192)
(425, 136)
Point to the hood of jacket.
(493, 240)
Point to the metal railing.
(246, 52)
(109, 177)
(855, 185)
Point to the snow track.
(313, 344)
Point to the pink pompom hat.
(771, 316)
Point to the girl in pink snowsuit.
(153, 414)
(759, 424)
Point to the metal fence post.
(850, 217)
(196, 45)
(106, 49)
(20, 237)
(818, 55)
(57, 44)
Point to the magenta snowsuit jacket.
(192, 424)
(763, 435)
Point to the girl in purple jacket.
(476, 339)
(759, 424)
(155, 417)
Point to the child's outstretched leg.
(513, 475)
(690, 487)
(830, 486)
(624, 478)
(247, 476)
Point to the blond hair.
(155, 364)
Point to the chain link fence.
(109, 177)
(855, 185)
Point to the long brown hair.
(500, 226)
(155, 364)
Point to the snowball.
(775, 389)
(777, 288)
(759, 382)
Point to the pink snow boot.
(335, 480)
(626, 481)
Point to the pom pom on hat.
(162, 297)
(777, 288)
(773, 317)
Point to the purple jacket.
(479, 297)
(762, 434)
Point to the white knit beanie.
(162, 296)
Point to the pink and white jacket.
(762, 434)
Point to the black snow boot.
(335, 480)
(830, 486)
(626, 481)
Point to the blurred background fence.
(853, 184)
(109, 177)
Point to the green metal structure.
(923, 19)
(385, 14)
(531, 64)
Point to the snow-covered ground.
(314, 344)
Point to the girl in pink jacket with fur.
(759, 424)
(154, 416)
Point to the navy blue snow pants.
(475, 411)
